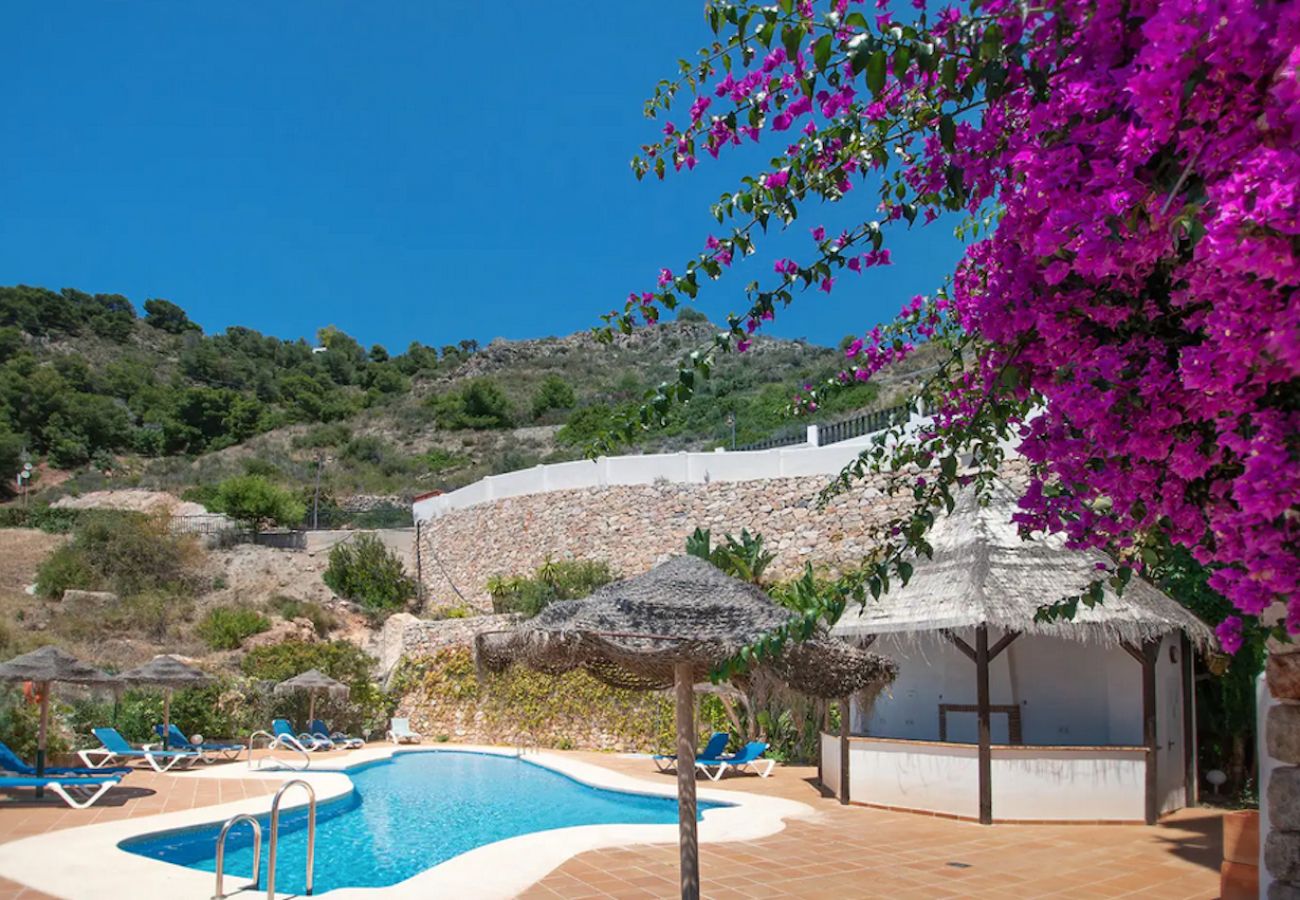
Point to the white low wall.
(675, 468)
(1029, 783)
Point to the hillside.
(104, 397)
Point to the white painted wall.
(927, 777)
(676, 468)
(1066, 785)
(1040, 783)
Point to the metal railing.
(275, 835)
(779, 440)
(834, 432)
(221, 852)
(863, 423)
(273, 744)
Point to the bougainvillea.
(1126, 313)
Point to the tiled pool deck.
(841, 852)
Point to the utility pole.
(315, 500)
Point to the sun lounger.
(749, 758)
(399, 732)
(115, 747)
(91, 788)
(337, 738)
(285, 736)
(12, 762)
(211, 750)
(717, 743)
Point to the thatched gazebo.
(170, 674)
(1063, 693)
(42, 668)
(672, 627)
(314, 682)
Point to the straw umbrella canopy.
(673, 626)
(314, 682)
(983, 573)
(43, 667)
(168, 673)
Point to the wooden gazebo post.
(1147, 655)
(982, 654)
(688, 833)
(844, 752)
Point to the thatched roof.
(166, 672)
(633, 632)
(983, 573)
(52, 664)
(313, 680)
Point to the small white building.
(996, 717)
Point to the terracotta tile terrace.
(843, 852)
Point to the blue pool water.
(409, 814)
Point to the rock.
(1282, 855)
(291, 630)
(1284, 799)
(1283, 730)
(88, 602)
(390, 642)
(1280, 890)
(1284, 676)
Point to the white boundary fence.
(650, 468)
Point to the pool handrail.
(221, 852)
(275, 834)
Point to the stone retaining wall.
(634, 526)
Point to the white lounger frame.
(762, 766)
(108, 757)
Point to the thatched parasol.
(673, 626)
(313, 681)
(168, 673)
(43, 667)
(983, 573)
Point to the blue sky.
(425, 170)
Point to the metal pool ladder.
(221, 850)
(275, 834)
(275, 838)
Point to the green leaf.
(822, 50)
(948, 133)
(876, 72)
(948, 74)
(791, 38)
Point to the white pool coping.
(86, 862)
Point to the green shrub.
(125, 553)
(157, 616)
(364, 571)
(554, 580)
(553, 393)
(66, 568)
(321, 618)
(479, 404)
(46, 518)
(257, 503)
(226, 627)
(366, 709)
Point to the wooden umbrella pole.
(311, 709)
(689, 846)
(42, 736)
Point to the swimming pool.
(410, 814)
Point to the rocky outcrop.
(76, 603)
